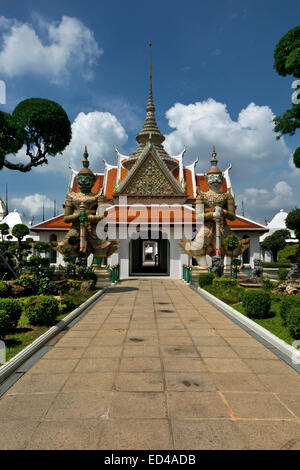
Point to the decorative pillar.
(227, 265)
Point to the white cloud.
(101, 132)
(262, 202)
(47, 49)
(32, 204)
(249, 141)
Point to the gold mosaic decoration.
(149, 179)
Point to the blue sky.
(213, 83)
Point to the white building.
(277, 223)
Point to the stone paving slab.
(153, 365)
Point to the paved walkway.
(154, 366)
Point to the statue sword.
(217, 214)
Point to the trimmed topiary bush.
(4, 289)
(257, 304)
(224, 282)
(13, 308)
(47, 287)
(276, 264)
(205, 279)
(282, 274)
(293, 322)
(267, 284)
(41, 310)
(287, 305)
(6, 323)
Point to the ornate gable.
(150, 177)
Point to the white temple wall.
(45, 237)
(113, 259)
(254, 248)
(122, 258)
(254, 244)
(175, 259)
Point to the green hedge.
(293, 322)
(41, 310)
(12, 308)
(4, 289)
(205, 279)
(282, 274)
(257, 304)
(289, 309)
(6, 323)
(10, 312)
(278, 264)
(224, 282)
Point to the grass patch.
(24, 334)
(230, 295)
(233, 297)
(272, 324)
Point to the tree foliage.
(4, 230)
(287, 54)
(41, 125)
(292, 221)
(287, 62)
(275, 242)
(288, 253)
(20, 231)
(231, 242)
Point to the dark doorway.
(150, 257)
(246, 254)
(53, 253)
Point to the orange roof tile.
(176, 173)
(111, 178)
(123, 174)
(241, 223)
(201, 182)
(56, 223)
(189, 183)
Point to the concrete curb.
(292, 353)
(32, 348)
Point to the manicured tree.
(22, 250)
(11, 136)
(293, 222)
(4, 230)
(41, 125)
(231, 243)
(288, 253)
(287, 62)
(20, 231)
(275, 242)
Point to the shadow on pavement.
(117, 290)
